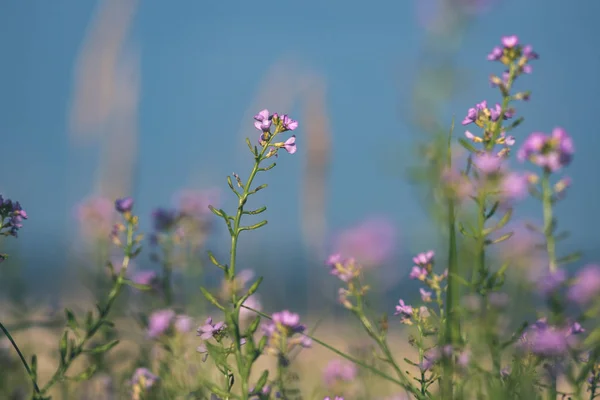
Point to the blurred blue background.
(201, 65)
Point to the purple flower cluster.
(370, 242)
(285, 332)
(161, 321)
(546, 340)
(11, 217)
(339, 371)
(481, 115)
(405, 312)
(423, 265)
(345, 269)
(209, 331)
(144, 378)
(512, 51)
(124, 205)
(551, 152)
(263, 122)
(586, 286)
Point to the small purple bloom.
(159, 322)
(288, 123)
(339, 371)
(371, 242)
(495, 55)
(425, 295)
(124, 205)
(418, 273)
(405, 311)
(263, 121)
(290, 145)
(488, 163)
(143, 377)
(183, 323)
(586, 286)
(209, 330)
(514, 186)
(289, 320)
(510, 41)
(164, 220)
(551, 281)
(549, 342)
(145, 278)
(549, 152)
(575, 328)
(424, 259)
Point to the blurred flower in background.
(371, 242)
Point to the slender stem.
(25, 364)
(381, 342)
(63, 368)
(356, 361)
(421, 357)
(548, 220)
(233, 315)
(452, 328)
(167, 273)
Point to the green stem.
(548, 220)
(233, 316)
(356, 361)
(452, 328)
(79, 349)
(25, 364)
(167, 273)
(452, 323)
(421, 357)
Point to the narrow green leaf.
(33, 367)
(71, 319)
(251, 291)
(253, 227)
(211, 299)
(85, 375)
(256, 212)
(261, 187)
(252, 149)
(569, 258)
(493, 210)
(230, 183)
(468, 146)
(213, 260)
(253, 326)
(461, 280)
(500, 239)
(218, 213)
(102, 348)
(505, 219)
(63, 347)
(267, 168)
(262, 381)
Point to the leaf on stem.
(255, 212)
(71, 319)
(253, 227)
(261, 187)
(569, 258)
(212, 259)
(468, 146)
(211, 299)
(102, 348)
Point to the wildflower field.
(491, 308)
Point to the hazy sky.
(202, 63)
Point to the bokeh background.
(148, 98)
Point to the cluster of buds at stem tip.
(263, 121)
